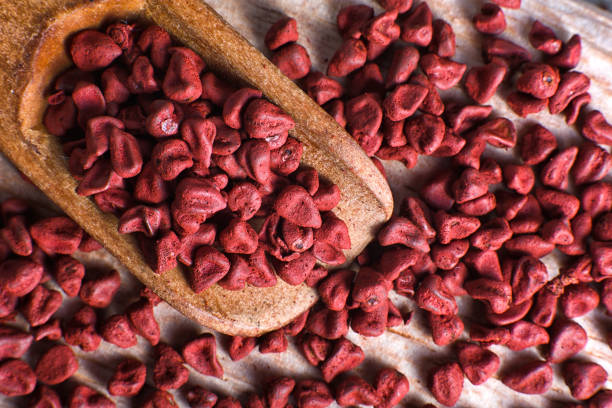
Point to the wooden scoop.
(33, 42)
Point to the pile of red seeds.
(477, 228)
(190, 164)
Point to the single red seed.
(445, 329)
(595, 127)
(13, 342)
(524, 334)
(278, 392)
(81, 329)
(353, 390)
(539, 80)
(57, 235)
(381, 31)
(118, 331)
(16, 236)
(321, 88)
(273, 342)
(241, 347)
(40, 305)
(481, 83)
(417, 26)
(555, 172)
(497, 294)
(168, 370)
(443, 73)
(490, 20)
(351, 55)
(403, 64)
(16, 378)
(280, 33)
(200, 397)
(56, 365)
(572, 84)
(578, 300)
(352, 19)
(484, 263)
(143, 320)
(403, 101)
(567, 338)
(99, 292)
(92, 50)
(584, 379)
(543, 38)
(327, 323)
(200, 353)
(592, 164)
(19, 277)
(292, 60)
(446, 383)
(569, 56)
(128, 378)
(443, 39)
(312, 394)
(335, 288)
(531, 378)
(478, 363)
(511, 53)
(391, 387)
(524, 104)
(432, 295)
(575, 108)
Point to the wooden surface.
(408, 348)
(28, 70)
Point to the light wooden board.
(409, 348)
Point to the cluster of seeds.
(478, 226)
(188, 163)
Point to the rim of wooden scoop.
(33, 52)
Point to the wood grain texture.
(366, 203)
(407, 348)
